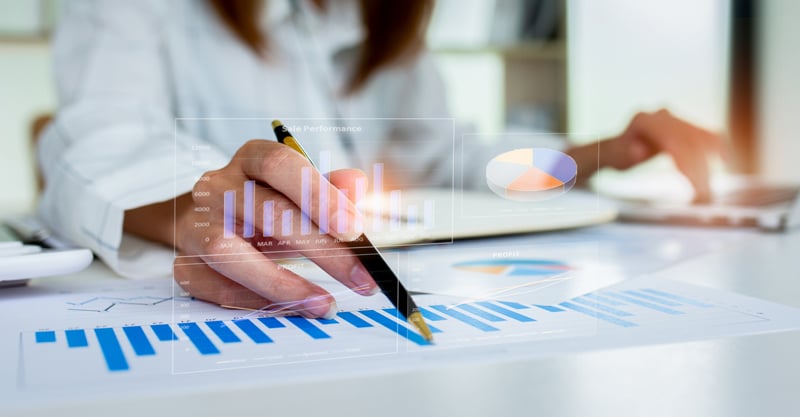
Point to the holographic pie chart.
(531, 174)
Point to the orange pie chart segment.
(534, 179)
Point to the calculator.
(20, 261)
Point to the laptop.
(750, 204)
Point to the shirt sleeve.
(113, 145)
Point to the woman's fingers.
(353, 182)
(688, 145)
(204, 283)
(237, 260)
(291, 174)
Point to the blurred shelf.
(24, 40)
(532, 50)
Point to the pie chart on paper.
(531, 174)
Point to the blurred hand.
(649, 134)
(236, 271)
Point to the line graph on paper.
(106, 304)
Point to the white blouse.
(140, 81)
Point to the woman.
(129, 75)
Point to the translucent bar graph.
(429, 214)
(342, 216)
(305, 200)
(377, 187)
(286, 222)
(249, 224)
(360, 192)
(268, 218)
(324, 198)
(412, 217)
(394, 210)
(229, 213)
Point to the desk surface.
(742, 376)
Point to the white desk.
(744, 376)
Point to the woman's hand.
(242, 272)
(649, 134)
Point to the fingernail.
(365, 285)
(319, 306)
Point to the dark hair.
(395, 30)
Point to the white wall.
(27, 90)
(628, 55)
(780, 89)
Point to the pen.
(369, 256)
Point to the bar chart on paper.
(655, 312)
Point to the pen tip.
(419, 323)
(276, 123)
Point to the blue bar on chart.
(307, 327)
(603, 300)
(396, 314)
(514, 305)
(464, 318)
(223, 331)
(271, 322)
(249, 221)
(377, 189)
(46, 336)
(480, 313)
(163, 332)
(76, 338)
(644, 304)
(326, 321)
(395, 327)
(551, 309)
(394, 210)
(597, 306)
(286, 222)
(429, 214)
(268, 214)
(412, 217)
(653, 298)
(597, 314)
(305, 200)
(324, 197)
(351, 318)
(430, 315)
(254, 333)
(677, 298)
(229, 214)
(141, 346)
(112, 351)
(199, 339)
(341, 207)
(504, 311)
